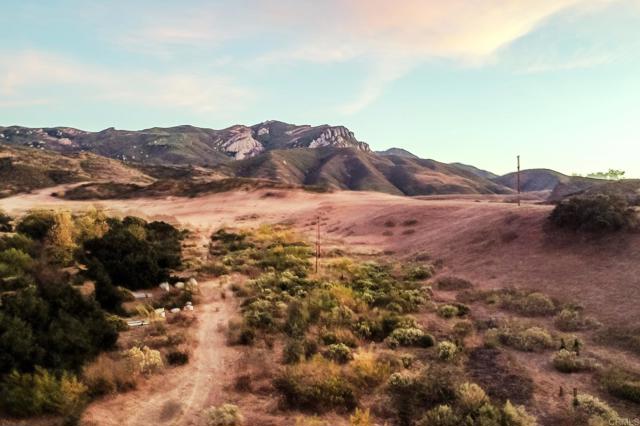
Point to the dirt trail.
(179, 396)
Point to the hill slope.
(545, 180)
(352, 169)
(26, 169)
(183, 144)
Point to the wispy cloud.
(22, 76)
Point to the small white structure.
(179, 285)
(160, 312)
(137, 323)
(188, 308)
(141, 294)
(165, 286)
(175, 310)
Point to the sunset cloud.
(394, 37)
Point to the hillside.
(183, 144)
(25, 169)
(542, 180)
(353, 169)
(273, 151)
(476, 171)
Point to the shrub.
(107, 375)
(315, 385)
(599, 213)
(177, 357)
(224, 415)
(442, 415)
(338, 352)
(36, 224)
(144, 360)
(420, 272)
(24, 395)
(523, 338)
(52, 325)
(471, 398)
(589, 408)
(452, 284)
(621, 384)
(5, 222)
(569, 362)
(293, 351)
(537, 304)
(572, 319)
(447, 351)
(361, 418)
(409, 337)
(411, 393)
(448, 311)
(516, 415)
(368, 370)
(137, 254)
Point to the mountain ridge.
(323, 156)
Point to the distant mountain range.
(191, 159)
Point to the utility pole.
(518, 177)
(317, 242)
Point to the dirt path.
(179, 396)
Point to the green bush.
(420, 272)
(25, 395)
(224, 415)
(442, 415)
(412, 393)
(573, 319)
(599, 213)
(569, 362)
(36, 224)
(448, 311)
(316, 385)
(5, 222)
(409, 337)
(521, 337)
(447, 351)
(136, 254)
(338, 352)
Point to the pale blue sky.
(556, 81)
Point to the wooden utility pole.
(317, 243)
(518, 178)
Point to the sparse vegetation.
(574, 319)
(523, 302)
(520, 336)
(224, 415)
(567, 361)
(621, 384)
(452, 284)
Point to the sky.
(475, 81)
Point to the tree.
(611, 174)
(60, 238)
(36, 224)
